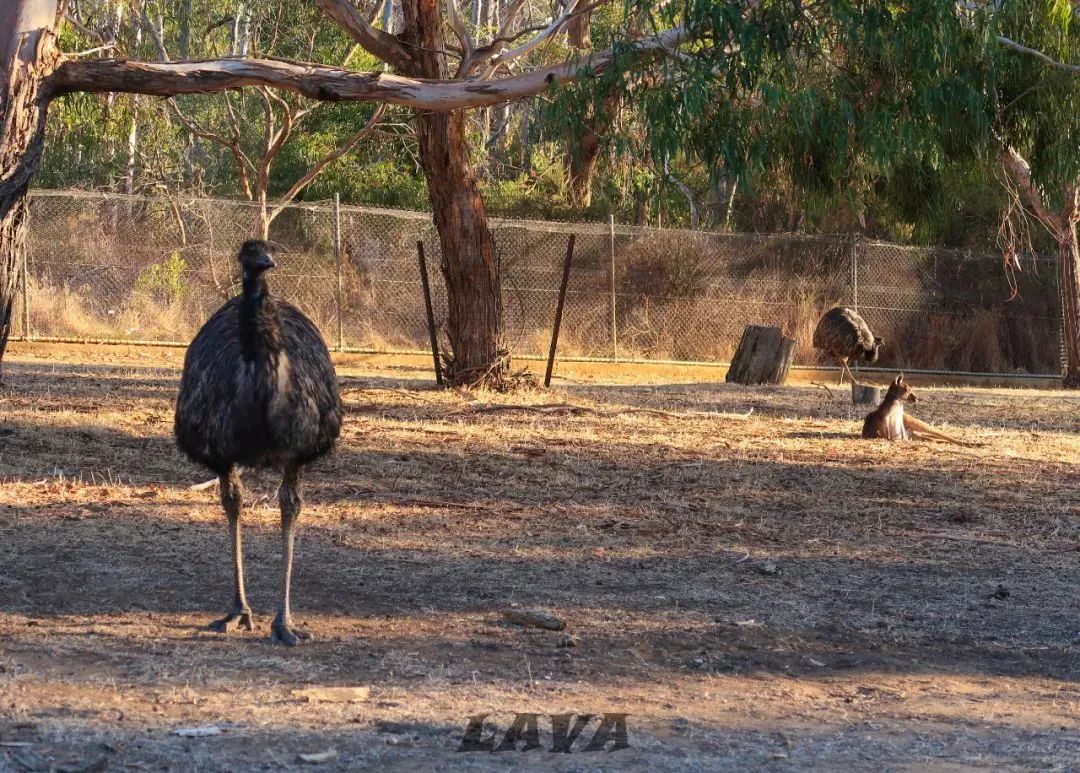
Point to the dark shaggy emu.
(843, 334)
(258, 390)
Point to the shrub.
(164, 281)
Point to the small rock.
(768, 567)
(197, 732)
(569, 640)
(1001, 593)
(317, 758)
(534, 618)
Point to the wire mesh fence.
(109, 267)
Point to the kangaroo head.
(900, 391)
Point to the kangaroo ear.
(899, 379)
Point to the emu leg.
(232, 499)
(282, 631)
(847, 370)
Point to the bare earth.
(766, 592)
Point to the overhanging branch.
(332, 83)
(1020, 48)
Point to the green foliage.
(876, 115)
(164, 281)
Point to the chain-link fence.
(108, 267)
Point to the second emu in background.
(258, 390)
(843, 334)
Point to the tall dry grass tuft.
(65, 312)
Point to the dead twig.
(399, 392)
(580, 410)
(818, 383)
(926, 534)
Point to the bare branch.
(375, 42)
(333, 83)
(458, 26)
(1020, 173)
(84, 30)
(555, 26)
(155, 35)
(233, 145)
(234, 121)
(1069, 68)
(330, 157)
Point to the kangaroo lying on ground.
(890, 421)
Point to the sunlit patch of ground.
(764, 591)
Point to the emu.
(258, 390)
(843, 334)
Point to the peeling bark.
(27, 55)
(329, 84)
(1062, 225)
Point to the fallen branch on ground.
(580, 410)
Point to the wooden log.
(764, 357)
(866, 394)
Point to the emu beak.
(263, 262)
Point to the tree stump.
(763, 357)
(866, 394)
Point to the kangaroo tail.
(918, 428)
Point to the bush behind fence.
(110, 267)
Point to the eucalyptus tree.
(1037, 134)
(435, 74)
(842, 96)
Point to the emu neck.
(258, 320)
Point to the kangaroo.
(889, 421)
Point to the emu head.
(870, 354)
(256, 256)
(900, 391)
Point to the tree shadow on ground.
(663, 582)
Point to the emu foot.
(233, 621)
(284, 633)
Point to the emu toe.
(287, 635)
(233, 621)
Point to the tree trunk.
(583, 152)
(581, 158)
(469, 265)
(27, 55)
(764, 356)
(1070, 306)
(1063, 226)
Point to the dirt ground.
(763, 592)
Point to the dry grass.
(765, 592)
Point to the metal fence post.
(855, 272)
(337, 266)
(1062, 341)
(614, 324)
(26, 298)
